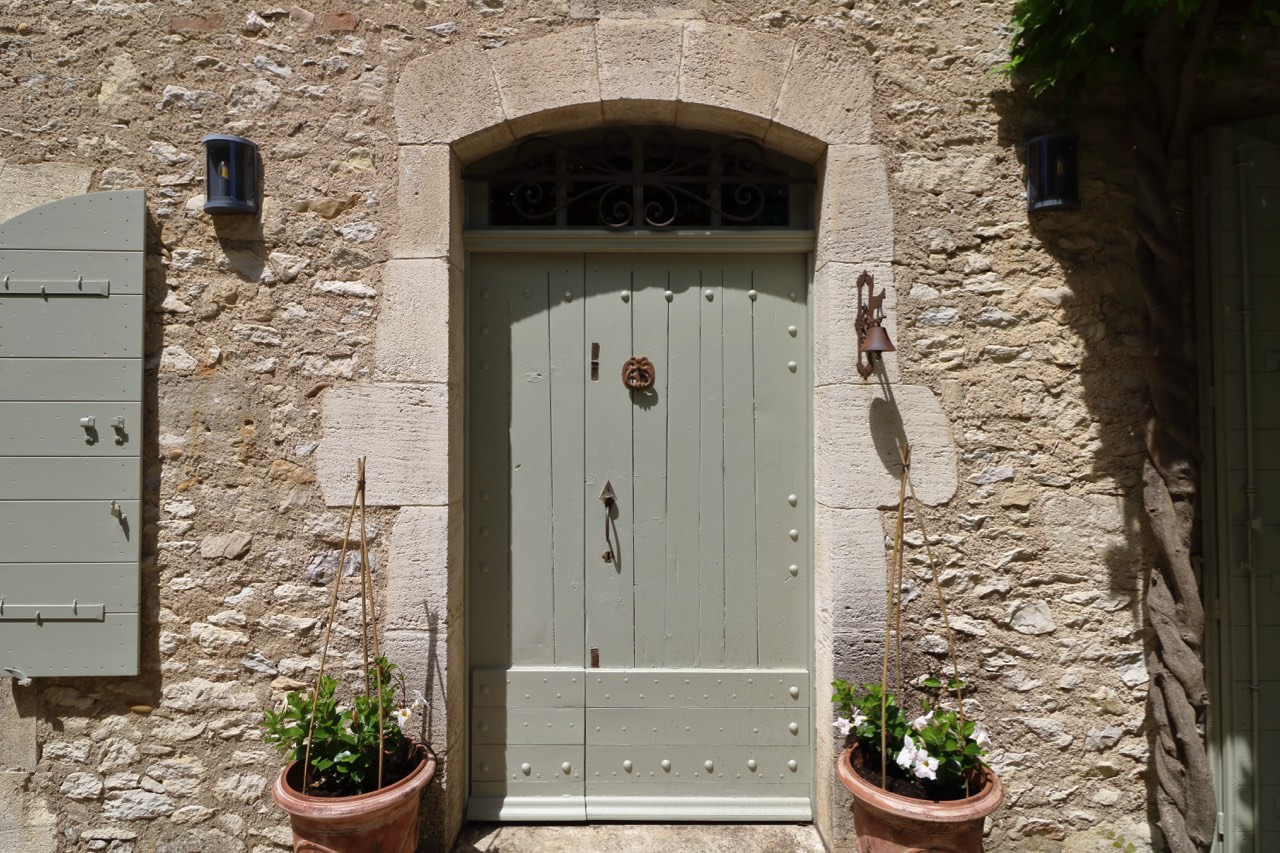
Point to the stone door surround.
(459, 103)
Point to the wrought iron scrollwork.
(645, 179)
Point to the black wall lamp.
(873, 340)
(233, 175)
(1052, 173)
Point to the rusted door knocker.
(638, 373)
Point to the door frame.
(676, 241)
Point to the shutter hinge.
(75, 612)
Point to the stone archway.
(461, 103)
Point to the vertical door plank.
(649, 417)
(609, 592)
(711, 531)
(532, 598)
(782, 396)
(740, 628)
(684, 408)
(570, 366)
(489, 578)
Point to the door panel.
(689, 644)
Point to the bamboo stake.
(905, 452)
(888, 628)
(328, 628)
(371, 625)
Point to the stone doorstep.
(639, 838)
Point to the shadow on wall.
(1101, 348)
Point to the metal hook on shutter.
(24, 680)
(608, 497)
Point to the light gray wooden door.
(670, 681)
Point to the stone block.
(447, 95)
(851, 543)
(856, 430)
(827, 95)
(27, 186)
(421, 658)
(413, 322)
(18, 732)
(715, 70)
(418, 570)
(639, 112)
(835, 311)
(639, 60)
(26, 823)
(550, 73)
(858, 657)
(1099, 529)
(196, 23)
(430, 201)
(339, 22)
(855, 220)
(402, 429)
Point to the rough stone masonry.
(1017, 357)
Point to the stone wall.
(280, 348)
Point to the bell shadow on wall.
(887, 432)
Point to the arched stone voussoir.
(826, 95)
(448, 95)
(735, 69)
(555, 72)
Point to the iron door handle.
(608, 497)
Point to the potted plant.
(917, 784)
(358, 786)
(354, 779)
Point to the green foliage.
(344, 742)
(1063, 46)
(1118, 841)
(956, 748)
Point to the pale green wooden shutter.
(71, 326)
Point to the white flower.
(908, 755)
(859, 719)
(925, 766)
(980, 736)
(842, 726)
(922, 721)
(402, 715)
(418, 700)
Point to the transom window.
(639, 178)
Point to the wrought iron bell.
(877, 341)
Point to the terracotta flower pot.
(384, 821)
(890, 823)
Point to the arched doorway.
(639, 585)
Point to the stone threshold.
(639, 838)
